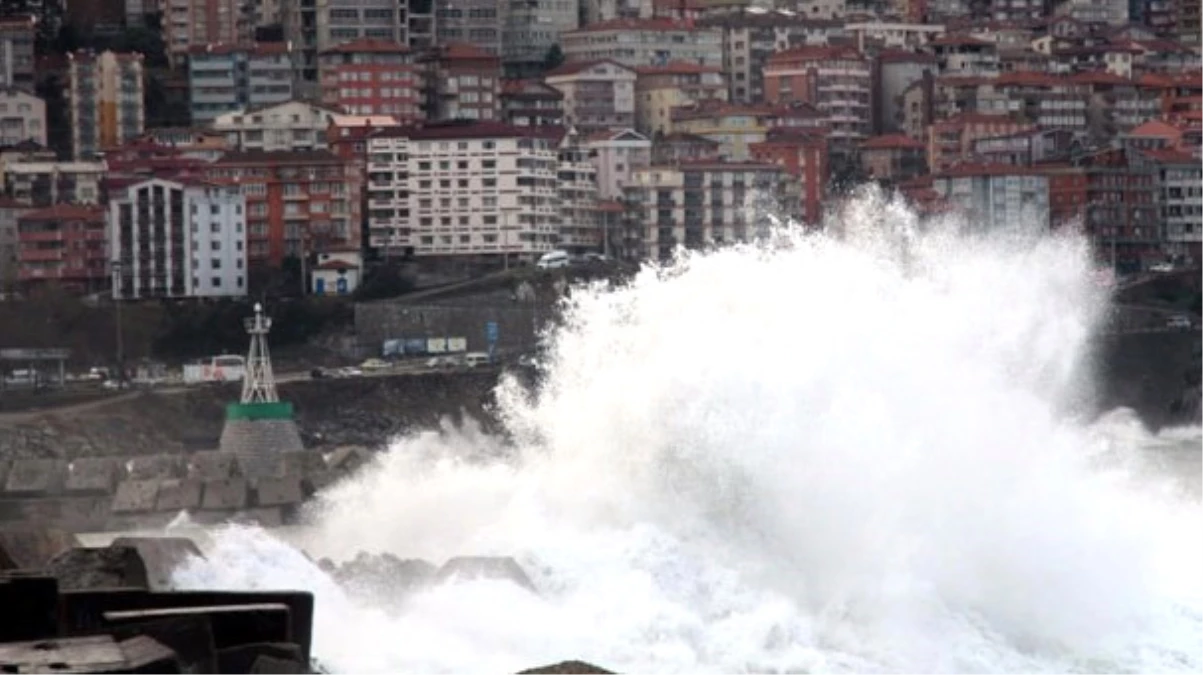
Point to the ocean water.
(860, 451)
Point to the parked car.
(553, 260)
(374, 364)
(474, 359)
(1180, 322)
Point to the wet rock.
(566, 668)
(93, 654)
(482, 567)
(384, 577)
(94, 568)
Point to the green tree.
(554, 57)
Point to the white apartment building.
(996, 196)
(454, 189)
(106, 101)
(22, 117)
(530, 28)
(1180, 180)
(45, 183)
(704, 203)
(284, 127)
(644, 42)
(177, 240)
(229, 78)
(577, 186)
(616, 155)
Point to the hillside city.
(200, 148)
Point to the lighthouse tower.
(259, 429)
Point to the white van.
(474, 359)
(554, 259)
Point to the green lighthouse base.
(259, 434)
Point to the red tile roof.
(814, 52)
(959, 41)
(1155, 129)
(574, 67)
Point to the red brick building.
(296, 202)
(371, 77)
(838, 81)
(803, 155)
(65, 243)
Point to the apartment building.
(296, 202)
(191, 23)
(482, 189)
(897, 70)
(644, 42)
(461, 81)
(960, 54)
(1026, 147)
(477, 23)
(1051, 102)
(893, 157)
(735, 127)
(951, 140)
(178, 240)
(226, 78)
(597, 94)
(895, 35)
(993, 196)
(10, 211)
(703, 204)
(22, 117)
(752, 34)
(316, 27)
(838, 81)
(530, 28)
(105, 99)
(531, 103)
(43, 183)
(576, 186)
(661, 89)
(283, 127)
(1180, 183)
(65, 244)
(615, 155)
(803, 156)
(17, 52)
(370, 76)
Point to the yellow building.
(661, 89)
(733, 127)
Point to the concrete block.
(303, 462)
(347, 459)
(278, 491)
(85, 513)
(230, 493)
(211, 465)
(161, 556)
(154, 467)
(316, 482)
(31, 549)
(34, 477)
(40, 510)
(263, 517)
(136, 496)
(92, 654)
(218, 517)
(92, 475)
(484, 567)
(83, 569)
(5, 465)
(179, 495)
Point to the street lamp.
(117, 266)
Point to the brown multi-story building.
(598, 95)
(531, 103)
(950, 141)
(188, 23)
(894, 158)
(297, 202)
(65, 243)
(462, 81)
(836, 80)
(371, 77)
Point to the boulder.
(211, 465)
(154, 467)
(179, 495)
(225, 494)
(484, 567)
(92, 476)
(385, 573)
(34, 478)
